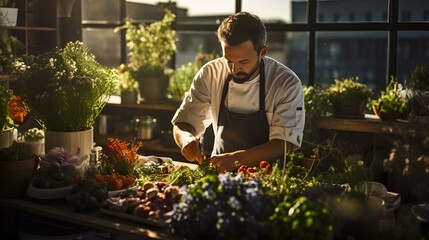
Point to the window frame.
(392, 26)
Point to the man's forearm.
(269, 151)
(182, 133)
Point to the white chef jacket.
(284, 99)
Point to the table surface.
(95, 219)
(58, 209)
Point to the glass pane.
(288, 48)
(285, 11)
(291, 49)
(350, 54)
(413, 49)
(106, 11)
(190, 43)
(352, 11)
(187, 11)
(140, 11)
(413, 11)
(104, 44)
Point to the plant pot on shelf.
(6, 137)
(129, 97)
(385, 116)
(36, 147)
(349, 108)
(153, 89)
(82, 141)
(8, 16)
(15, 176)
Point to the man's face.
(243, 61)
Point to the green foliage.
(301, 218)
(150, 46)
(15, 152)
(5, 95)
(126, 82)
(393, 100)
(33, 134)
(418, 95)
(66, 88)
(419, 79)
(10, 48)
(316, 105)
(181, 79)
(348, 88)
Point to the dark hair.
(240, 27)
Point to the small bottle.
(93, 165)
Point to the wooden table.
(61, 211)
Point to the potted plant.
(12, 113)
(56, 173)
(127, 85)
(117, 165)
(34, 138)
(392, 104)
(418, 94)
(348, 97)
(66, 89)
(150, 47)
(16, 169)
(6, 121)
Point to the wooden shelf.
(167, 106)
(372, 124)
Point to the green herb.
(15, 152)
(34, 134)
(5, 96)
(150, 46)
(65, 89)
(393, 100)
(348, 88)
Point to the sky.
(276, 9)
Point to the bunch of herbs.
(66, 88)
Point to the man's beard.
(245, 77)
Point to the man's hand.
(225, 162)
(191, 150)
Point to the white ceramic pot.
(71, 141)
(36, 147)
(7, 137)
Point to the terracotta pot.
(15, 176)
(390, 117)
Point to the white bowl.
(114, 193)
(46, 194)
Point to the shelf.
(371, 124)
(144, 106)
(48, 29)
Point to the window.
(320, 40)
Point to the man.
(253, 102)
